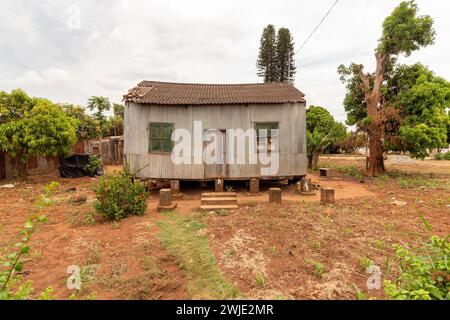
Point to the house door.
(215, 154)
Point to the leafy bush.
(443, 156)
(118, 196)
(94, 166)
(423, 274)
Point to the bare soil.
(266, 251)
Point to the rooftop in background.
(168, 93)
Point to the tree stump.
(275, 195)
(326, 196)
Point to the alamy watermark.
(227, 146)
(374, 280)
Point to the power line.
(317, 27)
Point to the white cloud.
(119, 43)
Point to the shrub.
(94, 166)
(118, 196)
(443, 156)
(424, 274)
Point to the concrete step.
(222, 201)
(219, 194)
(216, 207)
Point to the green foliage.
(11, 285)
(86, 127)
(321, 131)
(99, 105)
(34, 127)
(94, 165)
(404, 31)
(276, 58)
(118, 196)
(285, 56)
(443, 156)
(423, 274)
(266, 62)
(414, 100)
(365, 262)
(260, 280)
(319, 270)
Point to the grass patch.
(417, 182)
(179, 235)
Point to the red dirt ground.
(282, 243)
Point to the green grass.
(204, 280)
(417, 182)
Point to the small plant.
(118, 196)
(90, 218)
(252, 203)
(274, 250)
(260, 280)
(222, 212)
(319, 270)
(95, 253)
(365, 263)
(377, 244)
(94, 166)
(423, 274)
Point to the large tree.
(321, 131)
(267, 57)
(34, 127)
(403, 32)
(285, 56)
(116, 120)
(86, 127)
(99, 105)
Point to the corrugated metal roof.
(154, 92)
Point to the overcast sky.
(70, 50)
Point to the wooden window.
(160, 137)
(264, 134)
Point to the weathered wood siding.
(292, 126)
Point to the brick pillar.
(254, 186)
(175, 186)
(275, 195)
(218, 185)
(326, 196)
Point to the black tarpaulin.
(73, 166)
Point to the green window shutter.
(160, 137)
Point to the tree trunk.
(374, 106)
(22, 167)
(315, 159)
(376, 161)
